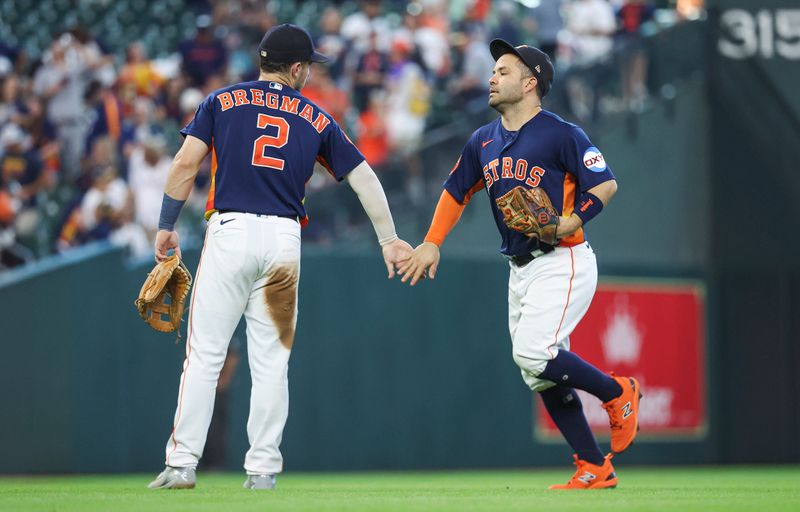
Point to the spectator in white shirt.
(148, 167)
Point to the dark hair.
(276, 67)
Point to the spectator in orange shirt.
(373, 140)
(321, 90)
(140, 72)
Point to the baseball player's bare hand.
(394, 253)
(166, 240)
(568, 225)
(424, 259)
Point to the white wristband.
(388, 240)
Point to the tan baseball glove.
(529, 211)
(172, 279)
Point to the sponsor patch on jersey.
(273, 85)
(593, 160)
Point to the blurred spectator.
(476, 64)
(633, 14)
(12, 108)
(188, 102)
(7, 213)
(147, 175)
(507, 22)
(408, 99)
(12, 163)
(169, 98)
(9, 57)
(478, 11)
(105, 118)
(23, 176)
(241, 62)
(43, 135)
(103, 153)
(370, 73)
(97, 59)
(144, 123)
(548, 23)
(139, 71)
(61, 81)
(204, 55)
(366, 28)
(321, 90)
(371, 131)
(12, 254)
(427, 41)
(590, 25)
(408, 103)
(107, 212)
(331, 42)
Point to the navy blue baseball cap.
(288, 43)
(538, 61)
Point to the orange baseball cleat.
(623, 413)
(590, 476)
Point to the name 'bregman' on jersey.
(545, 152)
(265, 138)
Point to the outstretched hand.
(394, 253)
(166, 240)
(425, 258)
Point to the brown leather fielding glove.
(529, 211)
(172, 279)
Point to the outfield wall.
(382, 375)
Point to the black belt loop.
(523, 259)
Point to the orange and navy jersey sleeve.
(337, 153)
(202, 125)
(466, 178)
(582, 159)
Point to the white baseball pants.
(250, 265)
(546, 300)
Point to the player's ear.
(298, 68)
(531, 83)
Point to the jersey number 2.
(270, 141)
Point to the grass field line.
(760, 488)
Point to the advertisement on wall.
(656, 332)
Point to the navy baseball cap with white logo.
(288, 43)
(538, 61)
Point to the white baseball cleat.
(260, 482)
(174, 478)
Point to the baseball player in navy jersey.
(264, 138)
(550, 286)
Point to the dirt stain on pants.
(281, 298)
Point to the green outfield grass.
(759, 489)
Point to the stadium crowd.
(88, 126)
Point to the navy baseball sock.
(564, 406)
(569, 370)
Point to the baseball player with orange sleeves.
(264, 138)
(553, 271)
